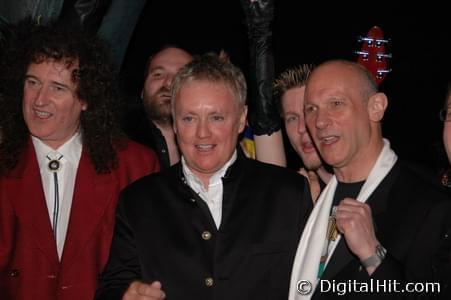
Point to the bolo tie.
(54, 166)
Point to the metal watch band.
(376, 258)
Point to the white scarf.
(307, 260)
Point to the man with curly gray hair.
(63, 162)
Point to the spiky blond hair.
(290, 78)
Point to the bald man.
(376, 220)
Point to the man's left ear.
(377, 104)
(243, 117)
(84, 105)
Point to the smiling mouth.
(42, 114)
(204, 148)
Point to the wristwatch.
(375, 259)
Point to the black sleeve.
(86, 13)
(123, 265)
(263, 114)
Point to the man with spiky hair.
(63, 162)
(289, 87)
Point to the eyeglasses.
(445, 114)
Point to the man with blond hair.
(217, 225)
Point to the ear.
(377, 104)
(174, 123)
(84, 105)
(243, 118)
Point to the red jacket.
(29, 266)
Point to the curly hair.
(96, 85)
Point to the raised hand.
(258, 12)
(355, 222)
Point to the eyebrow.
(290, 112)
(216, 112)
(30, 76)
(62, 85)
(157, 68)
(53, 82)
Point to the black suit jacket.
(412, 221)
(165, 232)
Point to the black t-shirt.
(347, 190)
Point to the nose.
(322, 119)
(168, 80)
(41, 97)
(203, 129)
(301, 125)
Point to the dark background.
(307, 32)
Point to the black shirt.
(347, 190)
(142, 130)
